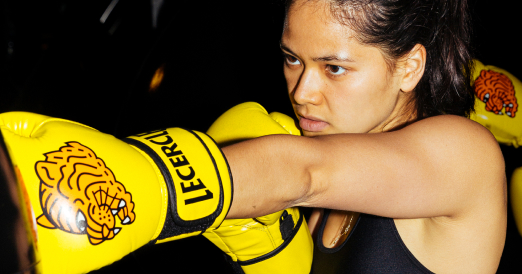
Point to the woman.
(382, 89)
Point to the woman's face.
(336, 84)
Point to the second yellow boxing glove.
(496, 103)
(276, 243)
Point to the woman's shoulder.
(455, 132)
(455, 123)
(461, 144)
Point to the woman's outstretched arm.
(440, 166)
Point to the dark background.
(59, 59)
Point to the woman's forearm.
(270, 173)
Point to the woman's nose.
(308, 89)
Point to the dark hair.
(443, 27)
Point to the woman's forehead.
(312, 28)
(314, 17)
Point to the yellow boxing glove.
(276, 243)
(496, 105)
(516, 197)
(97, 198)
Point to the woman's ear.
(413, 66)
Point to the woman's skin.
(441, 179)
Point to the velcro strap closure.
(196, 173)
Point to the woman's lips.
(311, 125)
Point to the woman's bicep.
(373, 174)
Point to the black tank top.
(373, 246)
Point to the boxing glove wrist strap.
(197, 176)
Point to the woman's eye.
(335, 70)
(291, 60)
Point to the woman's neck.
(404, 113)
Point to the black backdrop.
(59, 59)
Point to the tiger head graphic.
(496, 90)
(80, 195)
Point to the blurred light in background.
(157, 78)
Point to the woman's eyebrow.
(332, 58)
(319, 59)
